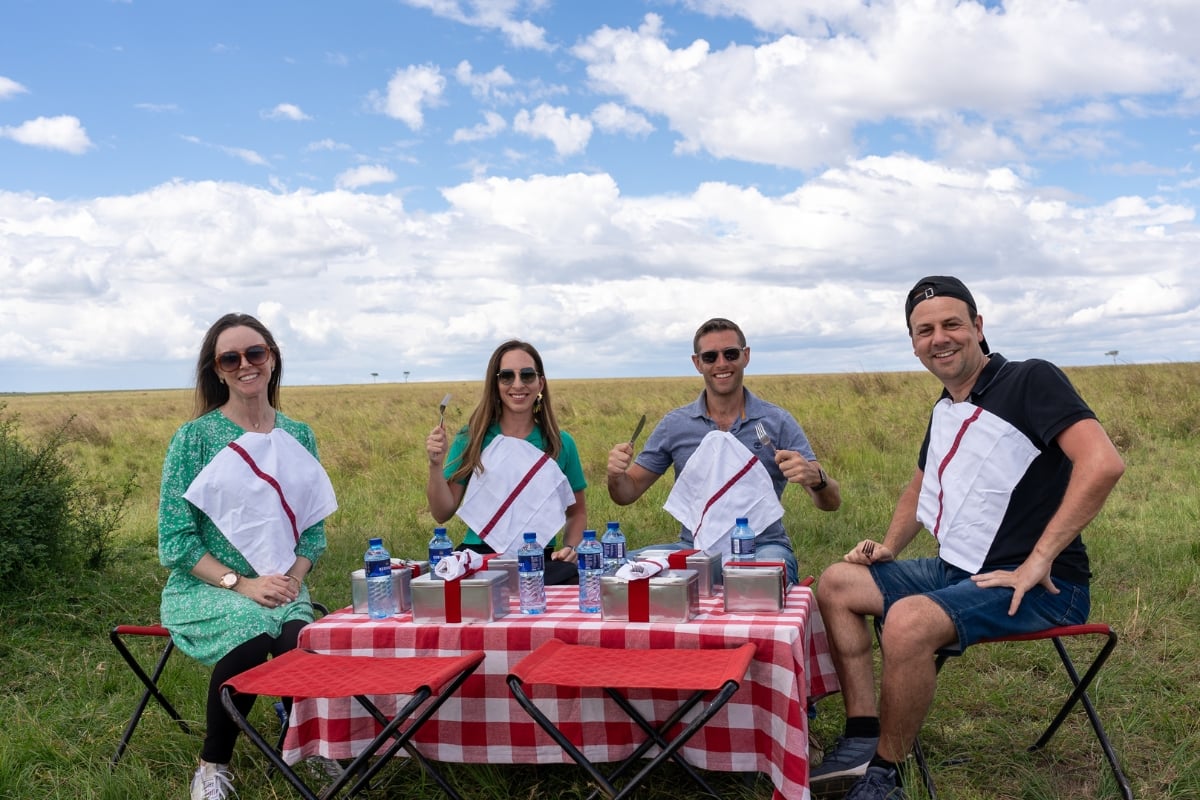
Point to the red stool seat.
(703, 673)
(302, 673)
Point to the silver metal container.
(755, 588)
(401, 590)
(707, 567)
(674, 596)
(484, 597)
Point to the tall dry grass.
(66, 698)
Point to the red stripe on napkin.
(274, 484)
(962, 431)
(728, 485)
(508, 501)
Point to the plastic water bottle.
(377, 564)
(741, 542)
(531, 571)
(591, 567)
(440, 546)
(613, 543)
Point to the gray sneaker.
(844, 764)
(879, 783)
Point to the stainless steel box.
(755, 587)
(509, 566)
(674, 596)
(484, 597)
(401, 590)
(706, 565)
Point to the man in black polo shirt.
(1013, 467)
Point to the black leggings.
(558, 573)
(222, 731)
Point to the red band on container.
(453, 597)
(639, 600)
(678, 558)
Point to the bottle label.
(614, 550)
(743, 547)
(592, 560)
(531, 563)
(377, 568)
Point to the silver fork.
(761, 432)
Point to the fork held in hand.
(868, 548)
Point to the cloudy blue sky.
(398, 185)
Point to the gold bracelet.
(299, 582)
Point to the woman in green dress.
(218, 609)
(515, 402)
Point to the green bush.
(50, 515)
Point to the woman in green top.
(515, 402)
(218, 610)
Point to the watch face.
(229, 580)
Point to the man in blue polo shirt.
(1013, 467)
(721, 356)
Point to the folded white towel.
(521, 489)
(261, 491)
(642, 568)
(457, 563)
(722, 481)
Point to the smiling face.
(519, 397)
(946, 340)
(247, 380)
(722, 377)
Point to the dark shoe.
(843, 765)
(879, 783)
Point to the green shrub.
(50, 515)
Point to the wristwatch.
(824, 481)
(230, 579)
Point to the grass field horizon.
(67, 695)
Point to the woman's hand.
(271, 591)
(435, 446)
(565, 553)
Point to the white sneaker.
(212, 782)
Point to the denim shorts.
(762, 552)
(977, 612)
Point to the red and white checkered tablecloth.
(763, 728)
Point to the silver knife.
(442, 410)
(637, 430)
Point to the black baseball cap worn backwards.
(940, 286)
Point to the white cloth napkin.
(460, 562)
(261, 491)
(642, 568)
(521, 489)
(722, 481)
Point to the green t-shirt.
(568, 462)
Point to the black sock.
(880, 761)
(862, 728)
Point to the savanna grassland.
(65, 695)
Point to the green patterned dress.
(208, 621)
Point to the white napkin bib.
(722, 481)
(521, 489)
(261, 491)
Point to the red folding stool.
(712, 673)
(303, 673)
(150, 681)
(118, 636)
(1078, 694)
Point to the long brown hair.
(490, 407)
(210, 391)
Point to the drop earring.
(537, 405)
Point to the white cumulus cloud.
(52, 133)
(409, 90)
(569, 133)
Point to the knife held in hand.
(637, 430)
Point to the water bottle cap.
(612, 525)
(375, 541)
(741, 521)
(589, 534)
(530, 536)
(439, 531)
